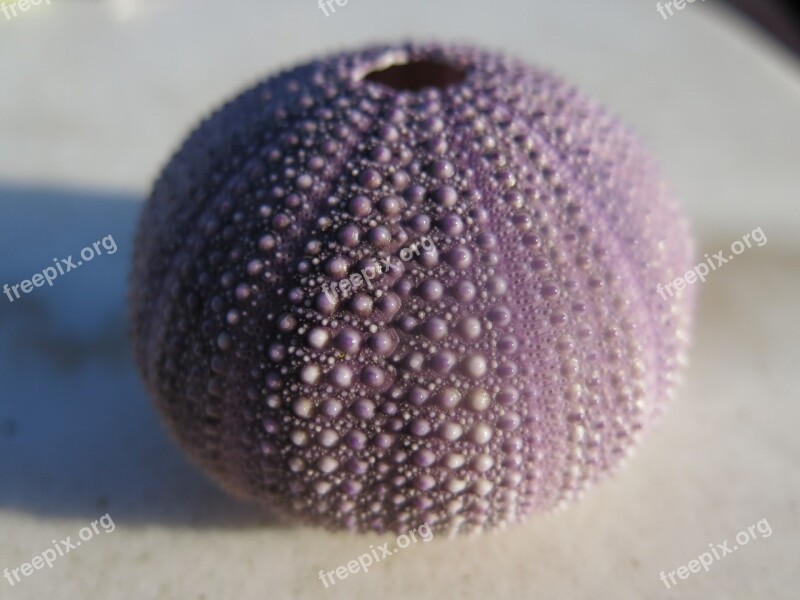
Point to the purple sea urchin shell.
(509, 354)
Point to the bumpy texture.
(509, 352)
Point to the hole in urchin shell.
(416, 75)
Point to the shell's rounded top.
(409, 67)
(412, 67)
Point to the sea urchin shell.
(411, 284)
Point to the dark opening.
(416, 75)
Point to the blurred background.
(777, 17)
(96, 95)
